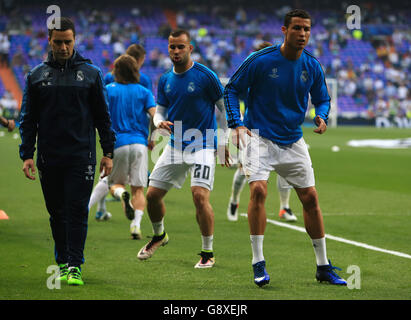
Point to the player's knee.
(258, 191)
(153, 195)
(309, 199)
(200, 197)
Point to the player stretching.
(279, 80)
(187, 96)
(284, 188)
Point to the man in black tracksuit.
(64, 101)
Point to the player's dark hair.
(178, 32)
(295, 13)
(263, 45)
(126, 70)
(65, 24)
(137, 51)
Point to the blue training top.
(278, 91)
(128, 104)
(190, 98)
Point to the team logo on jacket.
(191, 87)
(89, 173)
(274, 74)
(168, 88)
(79, 75)
(304, 76)
(47, 79)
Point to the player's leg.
(257, 221)
(237, 186)
(169, 171)
(138, 202)
(138, 180)
(119, 178)
(297, 160)
(256, 159)
(284, 191)
(202, 180)
(52, 185)
(205, 220)
(77, 191)
(156, 211)
(98, 196)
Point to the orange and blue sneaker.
(326, 273)
(287, 215)
(207, 260)
(261, 277)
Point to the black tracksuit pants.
(67, 193)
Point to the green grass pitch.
(364, 195)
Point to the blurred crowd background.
(371, 65)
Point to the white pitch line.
(329, 236)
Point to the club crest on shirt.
(168, 88)
(47, 76)
(304, 76)
(191, 87)
(274, 73)
(79, 75)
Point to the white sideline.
(329, 236)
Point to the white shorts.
(291, 162)
(130, 165)
(172, 167)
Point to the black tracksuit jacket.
(62, 106)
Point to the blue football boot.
(261, 276)
(326, 273)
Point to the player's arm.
(28, 130)
(160, 119)
(321, 101)
(8, 123)
(102, 121)
(239, 84)
(223, 135)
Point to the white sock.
(158, 227)
(320, 251)
(101, 205)
(207, 243)
(257, 248)
(138, 214)
(238, 185)
(99, 193)
(118, 192)
(284, 196)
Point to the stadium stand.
(370, 64)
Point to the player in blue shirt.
(279, 80)
(138, 52)
(129, 104)
(284, 188)
(187, 96)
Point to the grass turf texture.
(364, 194)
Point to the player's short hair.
(295, 13)
(178, 32)
(137, 51)
(126, 70)
(263, 45)
(65, 24)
